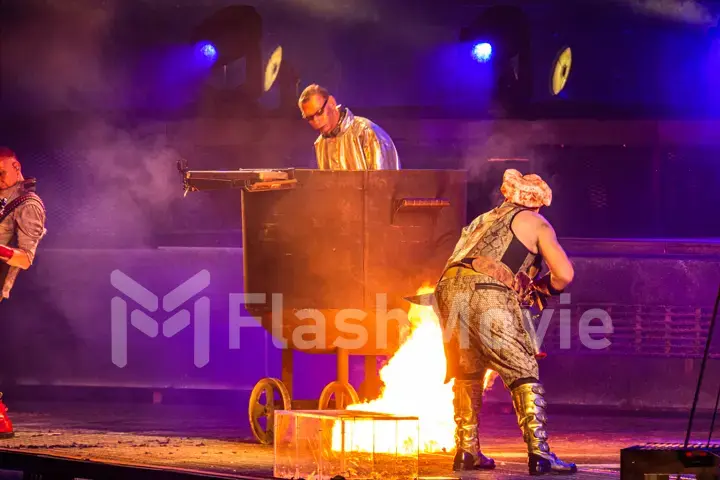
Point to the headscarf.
(527, 190)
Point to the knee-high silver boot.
(529, 403)
(467, 403)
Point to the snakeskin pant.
(482, 325)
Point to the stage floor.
(218, 439)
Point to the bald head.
(10, 171)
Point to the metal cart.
(335, 240)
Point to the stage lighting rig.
(234, 32)
(561, 70)
(501, 37)
(231, 34)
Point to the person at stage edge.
(346, 142)
(22, 226)
(478, 299)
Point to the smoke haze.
(686, 11)
(503, 145)
(107, 183)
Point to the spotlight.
(273, 68)
(232, 34)
(501, 35)
(482, 52)
(229, 34)
(502, 28)
(561, 71)
(207, 50)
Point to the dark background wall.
(88, 56)
(100, 100)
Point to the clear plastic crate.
(322, 444)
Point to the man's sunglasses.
(320, 111)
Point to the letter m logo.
(141, 320)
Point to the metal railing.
(641, 330)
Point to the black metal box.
(350, 240)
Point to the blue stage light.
(482, 52)
(207, 50)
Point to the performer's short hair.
(311, 90)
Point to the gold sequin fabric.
(356, 144)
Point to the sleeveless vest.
(491, 235)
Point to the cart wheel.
(344, 394)
(258, 411)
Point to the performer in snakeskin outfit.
(479, 300)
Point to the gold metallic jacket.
(356, 144)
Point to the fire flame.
(413, 387)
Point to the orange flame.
(413, 386)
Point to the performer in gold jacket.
(479, 300)
(346, 142)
